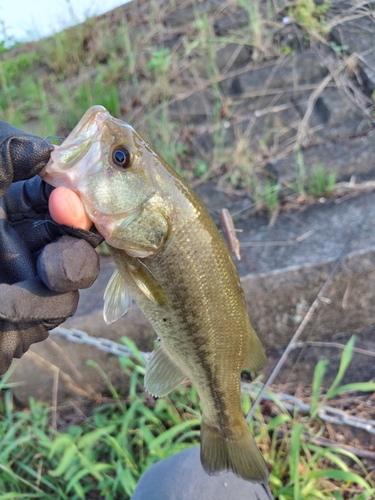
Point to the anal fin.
(117, 298)
(162, 373)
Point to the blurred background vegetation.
(148, 65)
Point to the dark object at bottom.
(182, 477)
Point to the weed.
(335, 388)
(67, 52)
(165, 138)
(159, 62)
(15, 68)
(271, 196)
(122, 50)
(242, 172)
(201, 168)
(301, 469)
(17, 88)
(47, 123)
(338, 48)
(310, 16)
(114, 72)
(128, 58)
(207, 48)
(159, 70)
(320, 182)
(104, 456)
(255, 22)
(88, 94)
(6, 41)
(298, 186)
(286, 50)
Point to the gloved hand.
(42, 264)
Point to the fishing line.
(307, 316)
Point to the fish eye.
(121, 157)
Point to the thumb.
(66, 208)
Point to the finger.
(27, 200)
(21, 155)
(29, 154)
(26, 208)
(15, 340)
(92, 236)
(31, 301)
(66, 208)
(68, 264)
(26, 225)
(17, 261)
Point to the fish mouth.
(64, 157)
(88, 128)
(89, 125)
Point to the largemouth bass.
(172, 260)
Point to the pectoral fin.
(256, 359)
(117, 298)
(141, 275)
(147, 282)
(162, 373)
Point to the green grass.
(106, 453)
(310, 15)
(256, 23)
(84, 96)
(302, 469)
(320, 182)
(271, 196)
(165, 138)
(159, 62)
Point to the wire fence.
(291, 403)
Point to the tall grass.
(104, 455)
(106, 452)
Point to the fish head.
(115, 173)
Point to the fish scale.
(171, 259)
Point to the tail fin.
(240, 455)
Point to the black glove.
(41, 266)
